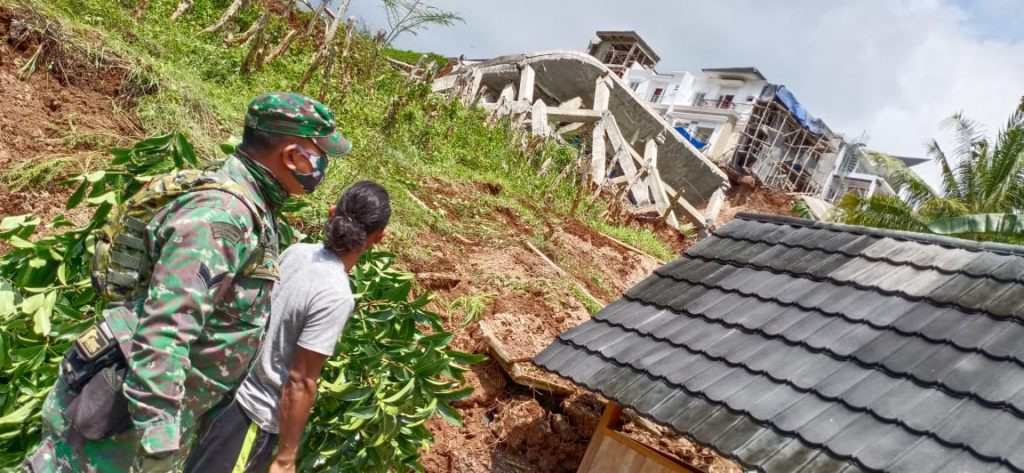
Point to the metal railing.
(722, 104)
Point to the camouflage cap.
(297, 115)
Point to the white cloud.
(892, 68)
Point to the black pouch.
(93, 350)
(101, 411)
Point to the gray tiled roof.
(798, 346)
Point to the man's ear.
(290, 155)
(332, 212)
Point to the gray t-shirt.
(309, 308)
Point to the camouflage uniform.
(189, 339)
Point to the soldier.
(132, 387)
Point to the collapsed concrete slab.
(567, 92)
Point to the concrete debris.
(563, 94)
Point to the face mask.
(310, 181)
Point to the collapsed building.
(632, 151)
(750, 126)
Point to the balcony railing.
(721, 104)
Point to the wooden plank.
(527, 79)
(574, 115)
(627, 157)
(565, 274)
(515, 368)
(612, 452)
(539, 118)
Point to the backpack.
(120, 264)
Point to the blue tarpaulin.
(696, 142)
(811, 124)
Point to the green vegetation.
(982, 193)
(396, 371)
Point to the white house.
(708, 107)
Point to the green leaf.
(95, 176)
(437, 339)
(466, 358)
(356, 394)
(455, 394)
(77, 196)
(184, 149)
(449, 414)
(105, 198)
(7, 298)
(33, 303)
(20, 243)
(41, 318)
(365, 412)
(999, 225)
(400, 393)
(398, 293)
(21, 414)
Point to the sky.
(892, 69)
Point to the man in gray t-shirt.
(309, 308)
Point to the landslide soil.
(508, 427)
(64, 108)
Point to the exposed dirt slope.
(54, 104)
(509, 428)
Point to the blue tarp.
(696, 142)
(811, 124)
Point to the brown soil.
(668, 442)
(64, 108)
(507, 427)
(759, 200)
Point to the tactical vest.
(121, 264)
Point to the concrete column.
(527, 79)
(598, 155)
(539, 118)
(601, 95)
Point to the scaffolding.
(779, 151)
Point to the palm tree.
(982, 192)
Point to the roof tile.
(808, 347)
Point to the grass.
(42, 174)
(178, 79)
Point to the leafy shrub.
(393, 372)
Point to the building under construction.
(783, 146)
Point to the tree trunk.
(253, 60)
(316, 16)
(327, 73)
(242, 38)
(182, 8)
(227, 17)
(283, 46)
(326, 49)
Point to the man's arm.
(193, 261)
(297, 398)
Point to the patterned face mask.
(310, 181)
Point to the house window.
(725, 101)
(657, 94)
(704, 133)
(698, 100)
(634, 85)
